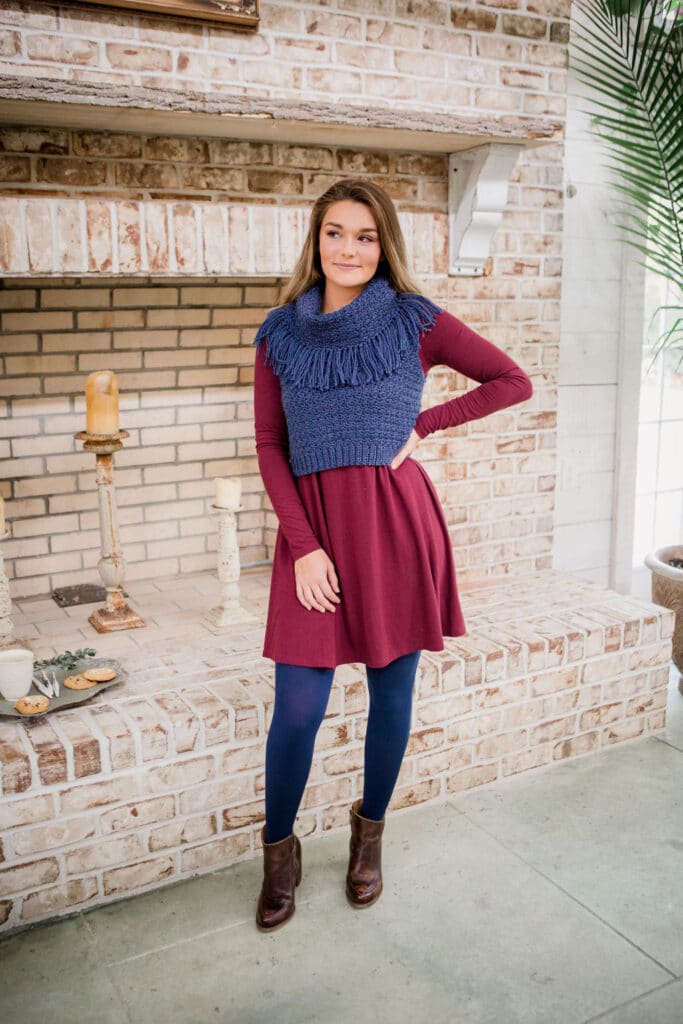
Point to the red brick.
(130, 256)
(39, 236)
(118, 734)
(136, 876)
(417, 793)
(15, 765)
(99, 235)
(27, 811)
(185, 236)
(53, 836)
(217, 794)
(156, 237)
(529, 28)
(185, 724)
(12, 256)
(525, 760)
(63, 49)
(106, 144)
(623, 730)
(468, 778)
(104, 853)
(135, 815)
(180, 775)
(470, 19)
(59, 897)
(327, 793)
(346, 761)
(145, 175)
(50, 751)
(71, 171)
(139, 58)
(219, 852)
(15, 168)
(213, 714)
(583, 744)
(23, 876)
(98, 794)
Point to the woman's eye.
(361, 238)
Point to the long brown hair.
(392, 265)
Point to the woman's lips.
(347, 266)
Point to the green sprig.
(67, 660)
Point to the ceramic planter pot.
(667, 590)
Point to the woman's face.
(349, 244)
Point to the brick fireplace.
(157, 178)
(169, 295)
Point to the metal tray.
(68, 698)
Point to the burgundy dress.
(383, 529)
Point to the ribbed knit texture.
(351, 381)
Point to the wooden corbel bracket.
(478, 181)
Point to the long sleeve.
(501, 381)
(272, 448)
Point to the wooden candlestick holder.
(6, 627)
(115, 614)
(230, 612)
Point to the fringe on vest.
(328, 366)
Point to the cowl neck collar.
(364, 317)
(366, 340)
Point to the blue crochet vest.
(351, 381)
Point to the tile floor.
(553, 897)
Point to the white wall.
(599, 372)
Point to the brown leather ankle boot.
(281, 874)
(364, 876)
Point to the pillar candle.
(102, 403)
(228, 492)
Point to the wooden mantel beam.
(122, 108)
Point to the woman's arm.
(272, 450)
(502, 382)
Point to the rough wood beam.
(116, 107)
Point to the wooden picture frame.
(234, 12)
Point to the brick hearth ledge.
(162, 778)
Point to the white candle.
(102, 403)
(228, 492)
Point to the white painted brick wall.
(505, 56)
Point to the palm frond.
(630, 55)
(670, 339)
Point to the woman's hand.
(410, 446)
(316, 581)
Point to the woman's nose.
(349, 245)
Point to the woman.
(363, 569)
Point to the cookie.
(101, 674)
(35, 704)
(78, 683)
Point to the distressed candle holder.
(115, 613)
(6, 627)
(230, 612)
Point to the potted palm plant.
(630, 54)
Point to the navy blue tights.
(301, 695)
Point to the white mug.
(16, 672)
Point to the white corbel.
(478, 181)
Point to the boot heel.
(364, 874)
(281, 874)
